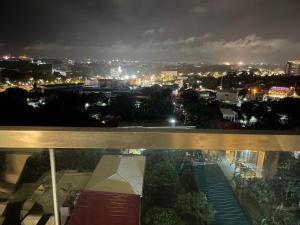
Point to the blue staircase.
(212, 182)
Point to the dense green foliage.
(189, 209)
(276, 198)
(170, 192)
(161, 216)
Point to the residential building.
(293, 68)
(230, 96)
(229, 114)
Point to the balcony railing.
(148, 138)
(233, 151)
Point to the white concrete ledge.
(36, 138)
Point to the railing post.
(54, 190)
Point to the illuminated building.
(230, 97)
(254, 163)
(145, 81)
(117, 73)
(91, 82)
(230, 115)
(280, 92)
(24, 57)
(207, 94)
(293, 68)
(133, 82)
(166, 76)
(179, 82)
(6, 57)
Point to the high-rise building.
(293, 68)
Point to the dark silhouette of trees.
(14, 108)
(200, 112)
(157, 104)
(74, 109)
(123, 106)
(193, 208)
(65, 109)
(268, 114)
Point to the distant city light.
(120, 69)
(6, 57)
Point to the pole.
(54, 186)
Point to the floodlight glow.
(172, 121)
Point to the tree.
(194, 208)
(65, 109)
(162, 185)
(190, 97)
(200, 112)
(123, 106)
(161, 216)
(291, 108)
(157, 105)
(279, 216)
(14, 108)
(187, 178)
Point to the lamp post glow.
(172, 121)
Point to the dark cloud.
(186, 30)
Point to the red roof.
(105, 208)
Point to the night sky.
(153, 30)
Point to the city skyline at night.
(187, 31)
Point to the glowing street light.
(172, 121)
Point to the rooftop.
(295, 62)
